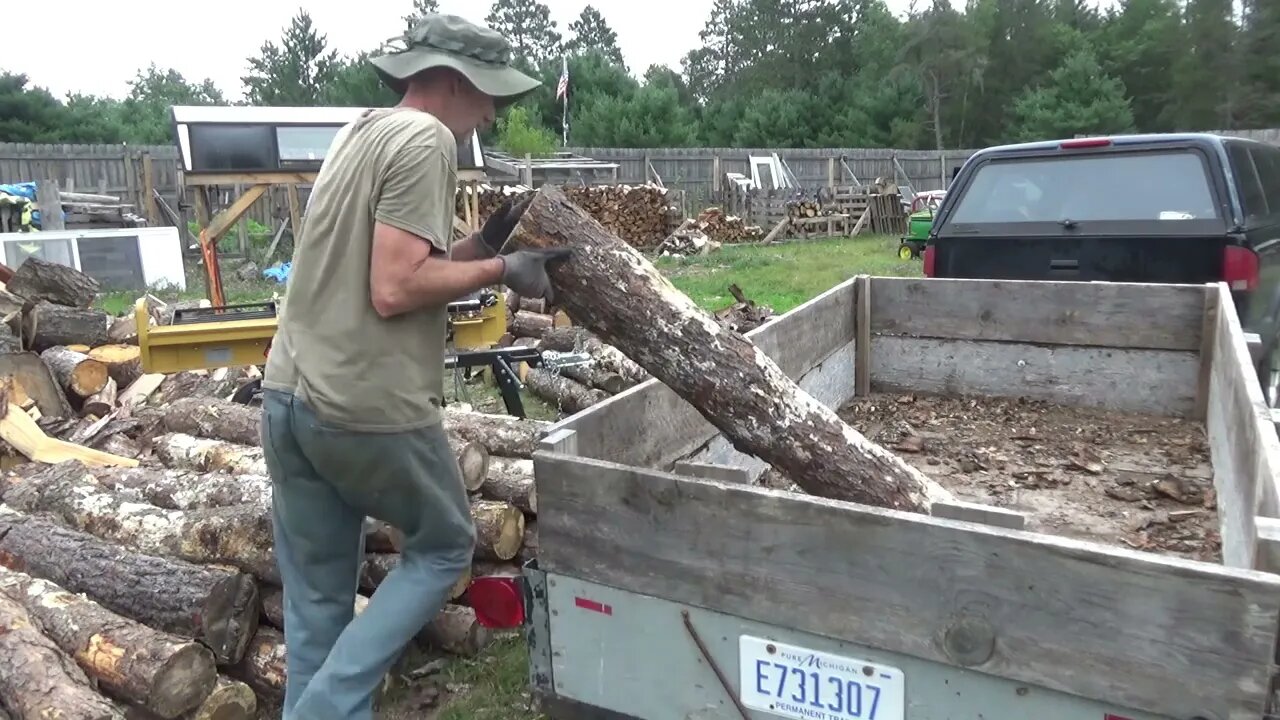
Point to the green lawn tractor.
(919, 221)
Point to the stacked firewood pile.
(639, 214)
(725, 229)
(799, 209)
(146, 585)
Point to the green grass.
(780, 276)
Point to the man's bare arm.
(404, 275)
(471, 247)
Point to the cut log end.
(499, 529)
(230, 700)
(79, 374)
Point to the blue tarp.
(279, 273)
(26, 189)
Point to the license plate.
(796, 682)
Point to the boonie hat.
(481, 54)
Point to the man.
(352, 403)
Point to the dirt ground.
(1140, 481)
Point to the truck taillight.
(928, 261)
(1240, 268)
(498, 601)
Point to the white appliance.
(138, 259)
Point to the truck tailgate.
(1188, 259)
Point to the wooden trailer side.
(1158, 634)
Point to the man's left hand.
(496, 230)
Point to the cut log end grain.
(218, 606)
(39, 680)
(499, 529)
(229, 700)
(124, 362)
(77, 373)
(613, 291)
(473, 460)
(455, 630)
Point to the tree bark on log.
(185, 489)
(217, 606)
(47, 325)
(263, 666)
(607, 357)
(511, 480)
(215, 419)
(568, 395)
(529, 324)
(613, 291)
(124, 362)
(131, 661)
(529, 548)
(37, 279)
(596, 377)
(37, 679)
(179, 450)
(499, 529)
(77, 373)
(240, 536)
(503, 435)
(37, 380)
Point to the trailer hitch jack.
(702, 648)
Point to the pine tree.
(1076, 99)
(295, 73)
(528, 26)
(421, 8)
(591, 32)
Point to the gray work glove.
(525, 271)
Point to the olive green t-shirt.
(356, 369)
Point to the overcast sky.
(96, 47)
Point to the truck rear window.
(1147, 185)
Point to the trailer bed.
(1134, 479)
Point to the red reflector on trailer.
(497, 602)
(594, 606)
(1239, 268)
(1084, 143)
(1112, 716)
(928, 261)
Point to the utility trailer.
(671, 585)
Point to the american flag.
(562, 89)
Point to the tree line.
(783, 73)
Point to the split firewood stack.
(639, 214)
(726, 229)
(147, 587)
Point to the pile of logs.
(639, 214)
(687, 240)
(798, 209)
(148, 588)
(726, 229)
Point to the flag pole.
(564, 114)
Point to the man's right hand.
(525, 271)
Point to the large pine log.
(263, 667)
(217, 606)
(511, 480)
(612, 290)
(568, 395)
(185, 489)
(77, 373)
(37, 679)
(131, 661)
(596, 377)
(37, 279)
(529, 324)
(240, 536)
(503, 435)
(47, 325)
(214, 418)
(229, 700)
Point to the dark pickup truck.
(1166, 208)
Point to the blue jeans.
(325, 481)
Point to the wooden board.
(1243, 442)
(1164, 635)
(1122, 315)
(1156, 381)
(797, 341)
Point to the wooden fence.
(699, 172)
